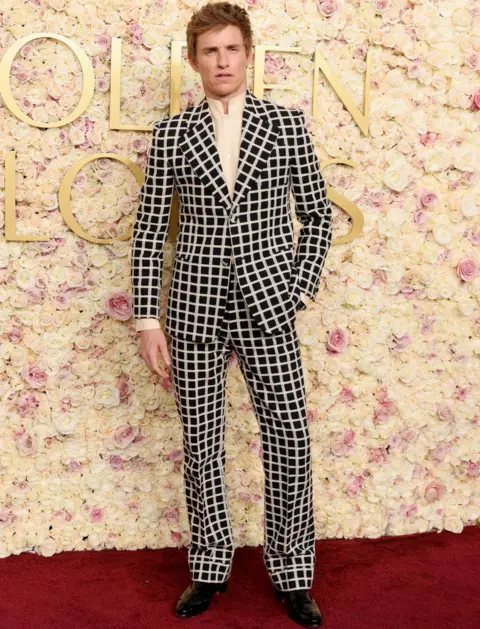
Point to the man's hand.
(150, 342)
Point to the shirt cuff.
(305, 298)
(146, 324)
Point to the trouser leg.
(272, 368)
(198, 377)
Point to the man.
(236, 286)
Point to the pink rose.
(384, 411)
(115, 462)
(337, 341)
(101, 84)
(124, 435)
(473, 469)
(354, 485)
(343, 445)
(34, 375)
(473, 60)
(74, 465)
(408, 511)
(378, 456)
(381, 6)
(103, 41)
(413, 69)
(429, 138)
(6, 518)
(139, 145)
(426, 198)
(467, 269)
(96, 514)
(444, 411)
(175, 455)
(401, 341)
(434, 491)
(15, 335)
(119, 306)
(346, 395)
(173, 516)
(419, 217)
(439, 452)
(327, 7)
(474, 237)
(36, 296)
(476, 99)
(27, 444)
(124, 387)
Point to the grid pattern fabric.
(272, 368)
(254, 227)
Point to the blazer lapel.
(258, 138)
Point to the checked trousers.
(272, 369)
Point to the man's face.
(222, 62)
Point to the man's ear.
(193, 64)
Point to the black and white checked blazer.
(276, 157)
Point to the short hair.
(213, 16)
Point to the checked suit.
(236, 286)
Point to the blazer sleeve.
(312, 208)
(151, 227)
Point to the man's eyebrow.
(216, 47)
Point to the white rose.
(396, 178)
(19, 301)
(159, 55)
(396, 216)
(396, 107)
(66, 423)
(99, 257)
(353, 296)
(76, 136)
(467, 307)
(48, 547)
(467, 160)
(468, 207)
(436, 160)
(57, 274)
(25, 279)
(107, 395)
(442, 234)
(453, 524)
(462, 19)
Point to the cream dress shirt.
(228, 128)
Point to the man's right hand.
(151, 341)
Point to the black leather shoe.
(196, 598)
(301, 608)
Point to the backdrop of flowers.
(90, 441)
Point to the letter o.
(66, 205)
(6, 91)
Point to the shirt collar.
(235, 105)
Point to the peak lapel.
(199, 147)
(257, 141)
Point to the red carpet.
(421, 581)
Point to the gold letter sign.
(320, 64)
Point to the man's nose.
(223, 59)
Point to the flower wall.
(90, 441)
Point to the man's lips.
(219, 76)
